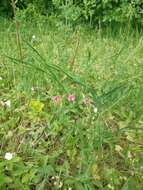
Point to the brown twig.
(17, 29)
(75, 53)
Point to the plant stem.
(75, 53)
(17, 29)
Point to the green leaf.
(130, 184)
(79, 186)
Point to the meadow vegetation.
(71, 114)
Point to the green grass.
(67, 144)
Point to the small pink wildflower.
(71, 98)
(56, 99)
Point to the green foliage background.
(93, 11)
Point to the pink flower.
(56, 99)
(71, 98)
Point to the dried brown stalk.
(17, 29)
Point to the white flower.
(53, 177)
(129, 155)
(110, 186)
(8, 156)
(57, 177)
(8, 103)
(33, 37)
(60, 184)
(95, 110)
(118, 148)
(1, 78)
(69, 188)
(32, 89)
(55, 183)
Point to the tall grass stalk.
(17, 29)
